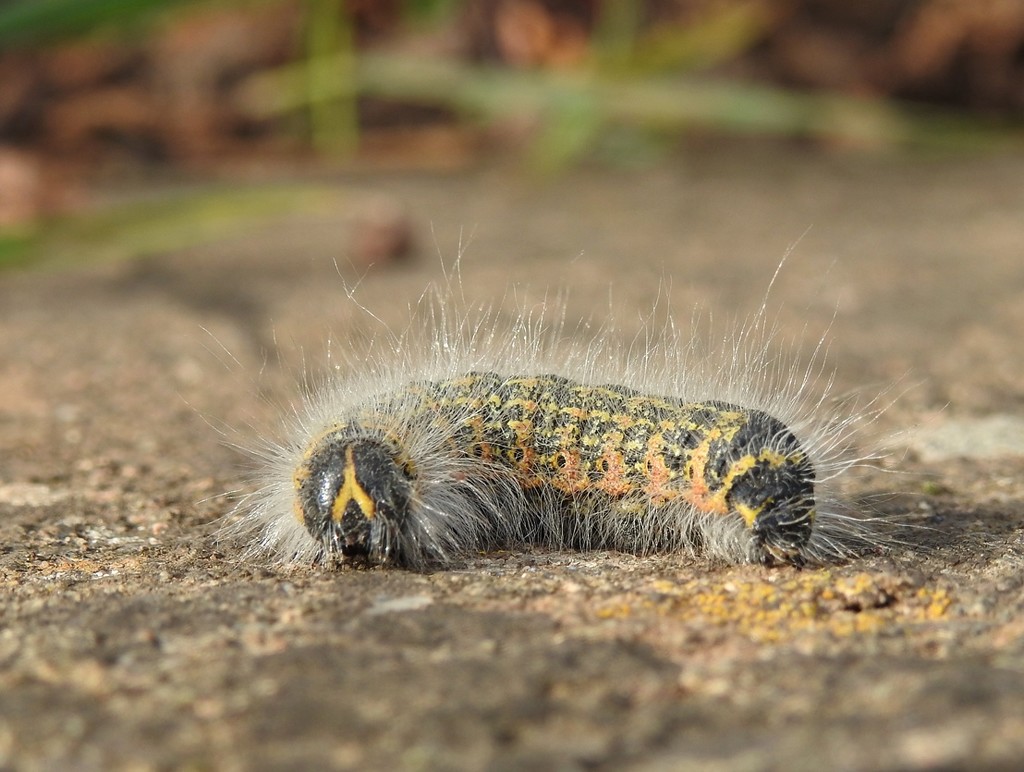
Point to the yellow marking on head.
(351, 490)
(749, 513)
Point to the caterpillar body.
(652, 465)
(464, 436)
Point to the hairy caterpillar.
(469, 434)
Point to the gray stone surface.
(130, 639)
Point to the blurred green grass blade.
(667, 104)
(14, 249)
(616, 34)
(429, 11)
(622, 46)
(173, 223)
(570, 128)
(723, 36)
(330, 45)
(35, 21)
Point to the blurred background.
(112, 110)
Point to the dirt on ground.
(131, 638)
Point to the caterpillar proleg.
(468, 432)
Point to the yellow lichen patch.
(938, 602)
(776, 608)
(78, 568)
(615, 611)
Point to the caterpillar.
(468, 433)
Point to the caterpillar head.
(769, 480)
(353, 496)
(778, 504)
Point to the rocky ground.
(131, 639)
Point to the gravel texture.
(131, 639)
